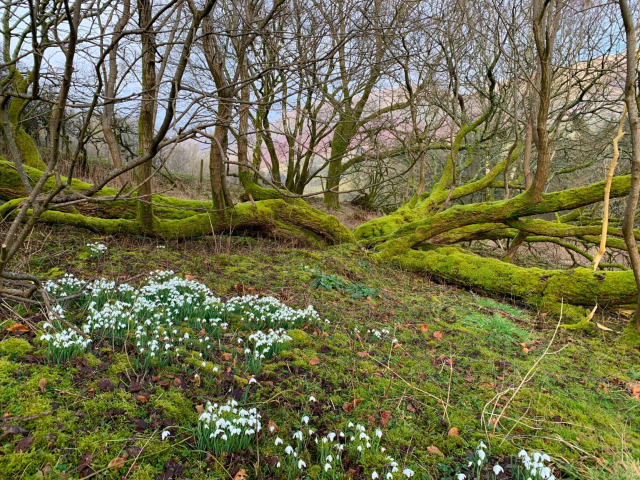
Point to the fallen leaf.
(190, 277)
(424, 328)
(314, 361)
(116, 463)
(199, 408)
(525, 350)
(453, 432)
(227, 356)
(177, 382)
(469, 379)
(385, 416)
(437, 335)
(347, 406)
(272, 427)
(493, 421)
(142, 399)
(363, 354)
(42, 384)
(24, 444)
(241, 475)
(411, 408)
(634, 389)
(487, 384)
(18, 328)
(434, 449)
(106, 385)
(603, 328)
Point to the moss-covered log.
(178, 218)
(578, 289)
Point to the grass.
(456, 356)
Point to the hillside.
(434, 369)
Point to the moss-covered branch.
(579, 289)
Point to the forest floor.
(437, 369)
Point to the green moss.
(15, 347)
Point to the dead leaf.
(437, 335)
(493, 421)
(634, 389)
(177, 382)
(314, 361)
(385, 416)
(469, 379)
(199, 408)
(411, 408)
(142, 399)
(347, 406)
(453, 432)
(42, 384)
(24, 444)
(241, 475)
(272, 426)
(18, 328)
(363, 354)
(190, 277)
(424, 328)
(436, 450)
(525, 350)
(227, 356)
(116, 463)
(603, 328)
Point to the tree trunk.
(147, 113)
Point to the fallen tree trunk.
(578, 290)
(178, 218)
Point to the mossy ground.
(469, 352)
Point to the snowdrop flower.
(482, 445)
(305, 420)
(461, 476)
(407, 472)
(301, 464)
(278, 441)
(378, 433)
(312, 399)
(481, 454)
(374, 475)
(522, 453)
(253, 380)
(327, 467)
(165, 434)
(298, 435)
(288, 450)
(497, 469)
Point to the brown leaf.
(385, 416)
(424, 328)
(493, 421)
(347, 406)
(363, 354)
(434, 449)
(272, 427)
(437, 335)
(469, 379)
(634, 389)
(199, 408)
(177, 382)
(116, 463)
(190, 277)
(314, 361)
(18, 328)
(411, 408)
(42, 384)
(453, 432)
(525, 350)
(240, 475)
(487, 384)
(24, 444)
(106, 385)
(142, 399)
(227, 356)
